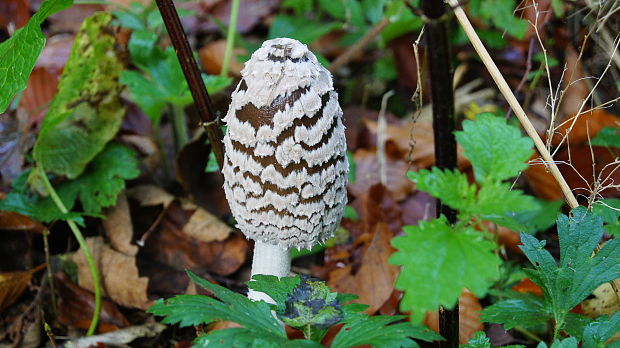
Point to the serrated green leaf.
(609, 210)
(539, 219)
(244, 338)
(570, 342)
(86, 112)
(608, 136)
(600, 330)
(378, 331)
(496, 150)
(578, 274)
(438, 262)
(20, 52)
(575, 324)
(451, 187)
(496, 198)
(501, 13)
(188, 310)
(480, 340)
(525, 312)
(278, 289)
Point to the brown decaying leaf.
(604, 302)
(13, 284)
(119, 275)
(586, 125)
(204, 226)
(16, 222)
(76, 305)
(146, 148)
(469, 314)
(527, 286)
(150, 195)
(212, 58)
(367, 174)
(15, 12)
(56, 53)
(119, 228)
(374, 280)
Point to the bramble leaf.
(378, 331)
(445, 261)
(496, 150)
(579, 273)
(20, 52)
(86, 112)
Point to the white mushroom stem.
(269, 259)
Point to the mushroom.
(285, 167)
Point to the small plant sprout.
(285, 167)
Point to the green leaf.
(350, 213)
(500, 12)
(480, 340)
(244, 338)
(86, 111)
(525, 312)
(377, 332)
(451, 187)
(352, 167)
(539, 219)
(579, 273)
(278, 289)
(575, 324)
(20, 52)
(496, 150)
(191, 310)
(600, 330)
(608, 136)
(300, 29)
(558, 7)
(609, 210)
(300, 7)
(496, 198)
(570, 342)
(335, 8)
(102, 181)
(438, 262)
(373, 10)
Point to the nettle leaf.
(609, 210)
(527, 312)
(539, 219)
(451, 187)
(480, 340)
(378, 331)
(570, 342)
(86, 112)
(312, 308)
(496, 150)
(579, 273)
(244, 338)
(608, 136)
(600, 330)
(191, 310)
(438, 262)
(20, 52)
(495, 198)
(278, 289)
(575, 324)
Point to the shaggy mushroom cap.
(285, 165)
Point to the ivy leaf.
(527, 312)
(103, 180)
(600, 330)
(20, 52)
(278, 289)
(579, 273)
(377, 332)
(438, 262)
(191, 310)
(86, 112)
(451, 187)
(608, 136)
(480, 340)
(496, 150)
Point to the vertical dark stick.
(444, 120)
(192, 75)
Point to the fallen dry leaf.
(469, 317)
(373, 282)
(542, 182)
(15, 12)
(16, 222)
(586, 126)
(76, 306)
(367, 174)
(212, 58)
(119, 274)
(527, 286)
(204, 226)
(604, 302)
(13, 284)
(118, 338)
(150, 195)
(119, 228)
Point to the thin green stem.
(230, 37)
(559, 324)
(80, 238)
(180, 127)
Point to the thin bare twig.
(354, 50)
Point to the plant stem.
(50, 277)
(528, 334)
(444, 123)
(80, 238)
(230, 37)
(180, 127)
(354, 50)
(192, 75)
(269, 259)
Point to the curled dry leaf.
(119, 274)
(212, 58)
(76, 306)
(119, 228)
(13, 284)
(469, 314)
(373, 282)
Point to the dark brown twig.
(444, 123)
(193, 77)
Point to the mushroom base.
(269, 259)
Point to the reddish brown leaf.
(586, 125)
(212, 58)
(14, 221)
(469, 314)
(13, 284)
(15, 12)
(527, 286)
(119, 228)
(367, 174)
